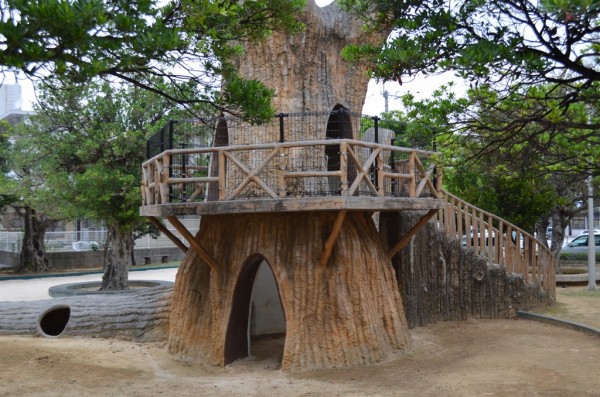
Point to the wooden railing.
(288, 170)
(499, 241)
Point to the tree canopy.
(526, 180)
(187, 44)
(520, 41)
(80, 157)
(543, 54)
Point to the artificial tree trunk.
(33, 256)
(344, 312)
(139, 315)
(116, 260)
(307, 70)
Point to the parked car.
(580, 244)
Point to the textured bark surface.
(441, 281)
(33, 256)
(116, 275)
(346, 313)
(142, 315)
(307, 71)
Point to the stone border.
(558, 322)
(75, 289)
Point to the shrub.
(577, 256)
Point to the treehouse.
(295, 199)
(302, 235)
(290, 244)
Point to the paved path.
(37, 288)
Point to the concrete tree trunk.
(340, 312)
(307, 70)
(346, 312)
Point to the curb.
(92, 288)
(558, 322)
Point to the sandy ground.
(470, 358)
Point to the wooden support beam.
(337, 226)
(406, 238)
(167, 233)
(193, 243)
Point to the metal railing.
(499, 241)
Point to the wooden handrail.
(361, 164)
(499, 241)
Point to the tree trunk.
(342, 312)
(116, 274)
(142, 314)
(541, 230)
(345, 312)
(307, 70)
(33, 256)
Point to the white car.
(580, 244)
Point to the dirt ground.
(470, 358)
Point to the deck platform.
(322, 175)
(349, 203)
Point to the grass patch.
(577, 257)
(582, 293)
(556, 310)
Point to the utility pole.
(385, 98)
(591, 239)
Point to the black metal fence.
(285, 127)
(292, 127)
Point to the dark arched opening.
(339, 126)
(221, 139)
(53, 321)
(256, 322)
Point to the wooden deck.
(372, 204)
(325, 175)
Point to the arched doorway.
(257, 322)
(339, 126)
(221, 139)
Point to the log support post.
(281, 183)
(337, 226)
(344, 168)
(193, 243)
(167, 233)
(406, 238)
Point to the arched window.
(339, 126)
(221, 139)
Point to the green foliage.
(189, 43)
(577, 256)
(504, 45)
(81, 154)
(490, 40)
(6, 197)
(524, 177)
